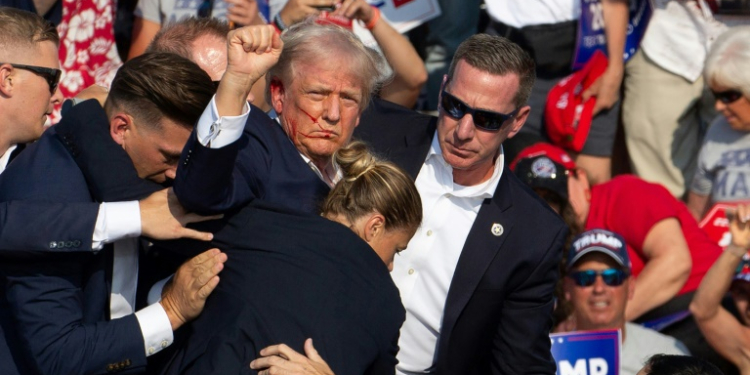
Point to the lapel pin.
(497, 230)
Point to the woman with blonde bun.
(293, 276)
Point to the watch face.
(544, 167)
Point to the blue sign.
(587, 353)
(591, 35)
(264, 9)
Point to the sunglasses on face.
(51, 75)
(611, 277)
(486, 120)
(727, 97)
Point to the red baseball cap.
(543, 165)
(566, 117)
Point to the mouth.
(599, 305)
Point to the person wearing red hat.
(669, 252)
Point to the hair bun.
(355, 160)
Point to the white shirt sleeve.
(155, 328)
(116, 221)
(216, 132)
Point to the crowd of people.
(254, 192)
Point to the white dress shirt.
(5, 158)
(424, 271)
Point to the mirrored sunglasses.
(611, 277)
(486, 120)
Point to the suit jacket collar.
(108, 170)
(491, 227)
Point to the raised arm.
(408, 68)
(722, 330)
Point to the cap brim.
(599, 249)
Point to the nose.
(719, 105)
(599, 284)
(171, 173)
(465, 128)
(332, 113)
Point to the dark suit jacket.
(59, 302)
(497, 315)
(291, 276)
(267, 166)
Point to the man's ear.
(119, 125)
(519, 120)
(374, 227)
(6, 80)
(277, 94)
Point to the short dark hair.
(667, 364)
(19, 28)
(157, 85)
(178, 37)
(498, 56)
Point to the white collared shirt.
(423, 272)
(5, 158)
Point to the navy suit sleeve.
(44, 226)
(57, 332)
(211, 181)
(521, 344)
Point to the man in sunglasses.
(598, 285)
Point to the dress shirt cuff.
(216, 132)
(155, 328)
(154, 295)
(116, 221)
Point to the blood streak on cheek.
(314, 120)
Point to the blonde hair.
(370, 184)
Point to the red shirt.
(631, 207)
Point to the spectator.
(731, 272)
(409, 74)
(598, 284)
(669, 253)
(152, 15)
(547, 29)
(723, 164)
(666, 364)
(666, 107)
(299, 275)
(204, 42)
(96, 327)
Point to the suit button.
(429, 233)
(127, 362)
(68, 244)
(60, 244)
(53, 245)
(76, 243)
(110, 368)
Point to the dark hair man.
(75, 312)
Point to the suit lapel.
(16, 152)
(482, 246)
(416, 144)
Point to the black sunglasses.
(729, 96)
(205, 9)
(51, 75)
(486, 120)
(611, 277)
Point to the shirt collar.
(5, 158)
(483, 190)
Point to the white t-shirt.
(641, 343)
(166, 11)
(517, 13)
